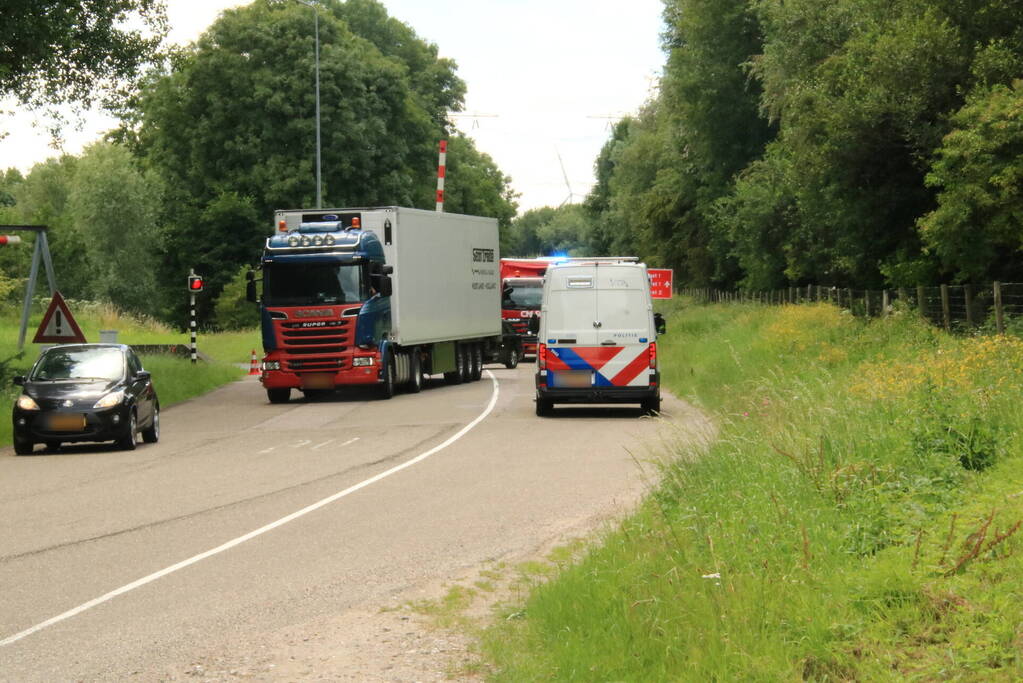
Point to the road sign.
(660, 282)
(58, 325)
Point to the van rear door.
(624, 319)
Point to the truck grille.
(315, 346)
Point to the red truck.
(522, 286)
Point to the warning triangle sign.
(58, 325)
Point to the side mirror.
(534, 325)
(19, 380)
(385, 287)
(659, 325)
(250, 286)
(143, 375)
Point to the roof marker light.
(356, 223)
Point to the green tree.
(977, 229)
(232, 311)
(115, 208)
(474, 185)
(233, 116)
(64, 51)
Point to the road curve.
(249, 517)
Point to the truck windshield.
(313, 283)
(525, 296)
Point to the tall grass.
(856, 518)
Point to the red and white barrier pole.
(441, 172)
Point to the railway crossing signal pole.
(195, 285)
(40, 252)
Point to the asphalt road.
(248, 517)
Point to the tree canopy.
(70, 51)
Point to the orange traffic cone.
(253, 365)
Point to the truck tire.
(456, 376)
(544, 406)
(278, 395)
(476, 366)
(512, 361)
(387, 386)
(415, 368)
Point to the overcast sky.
(546, 73)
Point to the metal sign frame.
(40, 252)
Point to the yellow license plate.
(573, 379)
(318, 380)
(66, 423)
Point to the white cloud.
(546, 69)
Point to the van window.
(580, 283)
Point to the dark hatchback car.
(86, 392)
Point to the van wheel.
(278, 395)
(513, 359)
(415, 368)
(651, 406)
(544, 406)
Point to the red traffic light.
(195, 283)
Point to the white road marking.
(267, 450)
(321, 445)
(261, 530)
(302, 442)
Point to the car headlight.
(25, 402)
(110, 400)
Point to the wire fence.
(956, 308)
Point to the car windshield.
(524, 296)
(310, 284)
(79, 363)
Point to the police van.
(597, 336)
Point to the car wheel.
(415, 368)
(278, 395)
(23, 446)
(544, 406)
(513, 359)
(152, 433)
(387, 388)
(127, 442)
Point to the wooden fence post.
(968, 295)
(884, 303)
(999, 313)
(866, 303)
(921, 304)
(849, 298)
(946, 309)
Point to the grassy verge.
(857, 518)
(176, 379)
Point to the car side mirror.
(659, 325)
(19, 380)
(534, 325)
(143, 375)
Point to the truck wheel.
(544, 406)
(415, 368)
(513, 359)
(464, 363)
(476, 355)
(651, 406)
(455, 377)
(278, 395)
(387, 387)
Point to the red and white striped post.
(441, 172)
